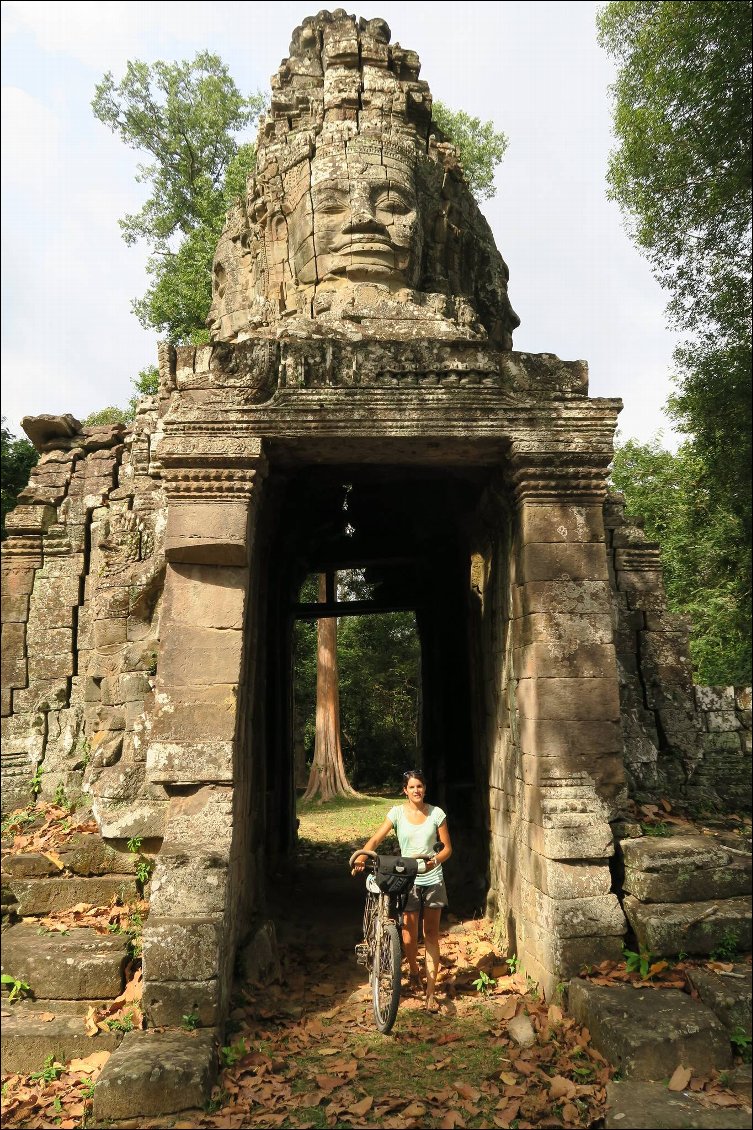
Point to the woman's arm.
(442, 856)
(371, 845)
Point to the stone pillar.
(212, 485)
(570, 777)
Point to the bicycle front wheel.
(385, 976)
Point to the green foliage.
(18, 988)
(144, 869)
(51, 1071)
(727, 947)
(190, 1021)
(109, 415)
(513, 964)
(185, 116)
(17, 456)
(640, 962)
(122, 1023)
(741, 1042)
(134, 844)
(658, 829)
(484, 983)
(681, 176)
(481, 147)
(231, 1053)
(36, 780)
(704, 552)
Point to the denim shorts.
(434, 897)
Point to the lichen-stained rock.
(683, 869)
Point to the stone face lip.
(650, 1106)
(154, 1073)
(648, 1033)
(690, 927)
(79, 965)
(48, 432)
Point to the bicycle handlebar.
(373, 855)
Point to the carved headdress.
(358, 211)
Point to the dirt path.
(305, 1052)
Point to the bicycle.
(387, 887)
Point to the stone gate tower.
(361, 338)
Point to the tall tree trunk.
(327, 778)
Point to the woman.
(419, 826)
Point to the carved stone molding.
(548, 476)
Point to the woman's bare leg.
(410, 940)
(432, 916)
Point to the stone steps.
(647, 1033)
(687, 893)
(33, 1030)
(650, 1106)
(78, 965)
(697, 928)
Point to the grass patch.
(344, 820)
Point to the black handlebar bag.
(396, 874)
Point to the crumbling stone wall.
(682, 741)
(82, 577)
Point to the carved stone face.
(359, 222)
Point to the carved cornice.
(23, 551)
(553, 475)
(209, 465)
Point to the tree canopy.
(481, 147)
(704, 554)
(18, 456)
(682, 177)
(186, 116)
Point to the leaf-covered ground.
(304, 1052)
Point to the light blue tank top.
(419, 839)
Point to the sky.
(70, 342)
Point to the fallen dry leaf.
(362, 1107)
(452, 1120)
(93, 1062)
(561, 1088)
(680, 1078)
(508, 1078)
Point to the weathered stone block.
(27, 1039)
(79, 965)
(188, 883)
(727, 995)
(591, 916)
(683, 869)
(569, 699)
(200, 657)
(715, 698)
(182, 713)
(45, 667)
(558, 628)
(48, 641)
(182, 949)
(649, 1106)
(206, 596)
(107, 632)
(38, 897)
(156, 1073)
(571, 659)
(168, 1002)
(722, 721)
(203, 817)
(189, 763)
(561, 522)
(14, 609)
(547, 561)
(16, 582)
(695, 927)
(205, 533)
(582, 842)
(30, 519)
(563, 597)
(647, 1034)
